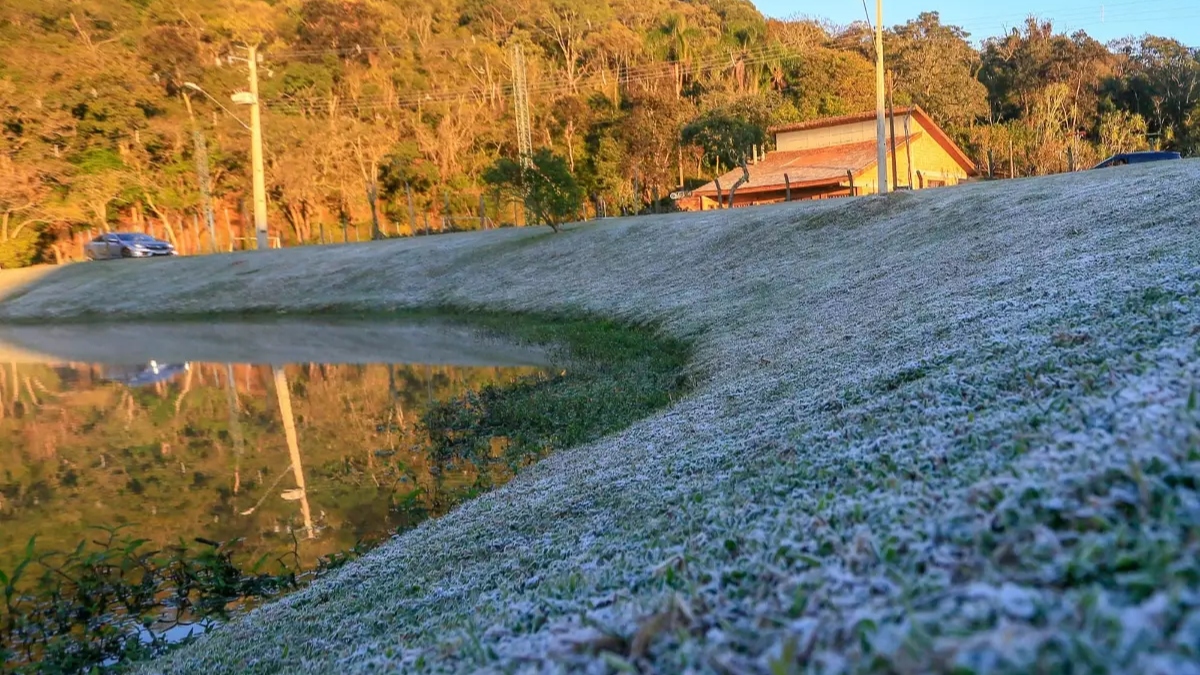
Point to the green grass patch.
(608, 376)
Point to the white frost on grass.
(946, 431)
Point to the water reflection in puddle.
(297, 461)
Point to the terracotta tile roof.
(843, 119)
(804, 168)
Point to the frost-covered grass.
(949, 431)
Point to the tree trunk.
(741, 181)
(373, 200)
(412, 212)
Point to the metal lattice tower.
(521, 106)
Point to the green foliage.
(547, 186)
(20, 251)
(95, 161)
(79, 610)
(723, 138)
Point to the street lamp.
(256, 151)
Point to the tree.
(936, 68)
(1122, 131)
(725, 140)
(547, 186)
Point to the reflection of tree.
(98, 453)
(235, 427)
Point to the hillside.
(946, 429)
(112, 113)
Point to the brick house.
(836, 157)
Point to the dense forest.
(404, 105)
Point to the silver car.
(126, 245)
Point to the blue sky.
(1105, 21)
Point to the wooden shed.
(836, 157)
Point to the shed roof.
(935, 132)
(804, 168)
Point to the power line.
(638, 75)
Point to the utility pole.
(521, 105)
(256, 152)
(880, 103)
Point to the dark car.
(142, 375)
(1137, 158)
(126, 245)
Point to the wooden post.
(850, 175)
(991, 164)
(1012, 164)
(720, 197)
(482, 213)
(892, 115)
(908, 149)
(1071, 158)
(921, 180)
(637, 197)
(787, 186)
(446, 213)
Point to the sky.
(1179, 19)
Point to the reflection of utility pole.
(289, 430)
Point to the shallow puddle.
(304, 442)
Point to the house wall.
(843, 134)
(930, 163)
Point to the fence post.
(787, 184)
(412, 213)
(482, 213)
(1071, 158)
(991, 164)
(720, 197)
(850, 175)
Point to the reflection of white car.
(142, 375)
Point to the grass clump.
(611, 376)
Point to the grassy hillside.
(947, 431)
